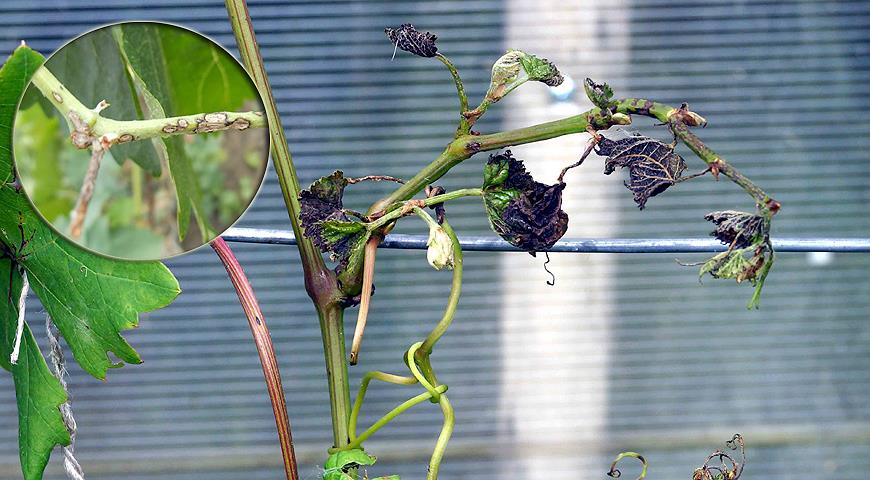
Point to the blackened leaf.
(320, 202)
(411, 40)
(738, 229)
(325, 223)
(600, 94)
(526, 213)
(653, 166)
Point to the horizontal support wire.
(574, 245)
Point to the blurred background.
(626, 352)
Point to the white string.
(19, 330)
(70, 464)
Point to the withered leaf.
(738, 229)
(526, 213)
(321, 202)
(653, 166)
(411, 40)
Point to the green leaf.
(90, 298)
(338, 464)
(145, 61)
(14, 76)
(38, 392)
(221, 83)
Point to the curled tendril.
(615, 473)
(728, 468)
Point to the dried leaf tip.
(411, 40)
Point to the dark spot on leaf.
(526, 213)
(653, 166)
(411, 40)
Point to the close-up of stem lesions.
(198, 169)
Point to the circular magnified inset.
(141, 140)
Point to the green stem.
(452, 300)
(464, 125)
(443, 438)
(404, 406)
(395, 212)
(320, 282)
(363, 388)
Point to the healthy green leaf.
(38, 392)
(338, 464)
(14, 76)
(220, 83)
(90, 298)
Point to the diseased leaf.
(750, 253)
(541, 70)
(526, 213)
(37, 391)
(653, 166)
(411, 40)
(738, 229)
(600, 94)
(325, 223)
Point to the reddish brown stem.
(371, 250)
(263, 341)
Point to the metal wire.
(575, 245)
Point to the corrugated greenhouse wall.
(625, 352)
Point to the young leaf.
(37, 391)
(600, 94)
(411, 40)
(338, 464)
(526, 213)
(653, 166)
(541, 70)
